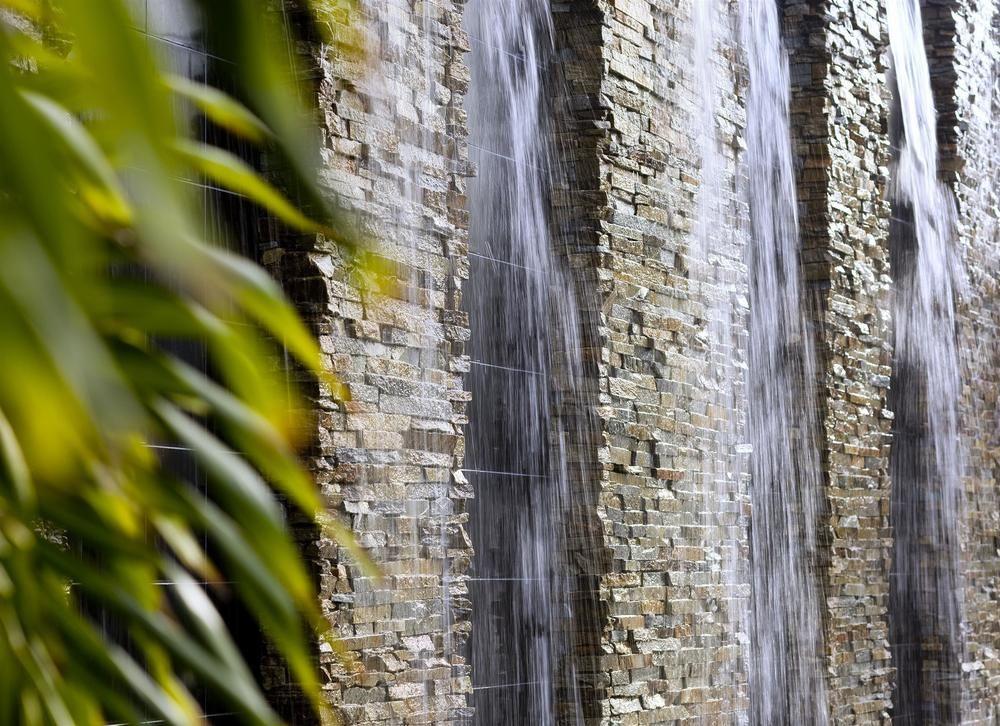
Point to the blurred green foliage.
(93, 159)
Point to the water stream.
(926, 460)
(715, 253)
(786, 668)
(526, 372)
(526, 367)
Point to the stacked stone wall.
(963, 40)
(660, 609)
(388, 458)
(839, 119)
(578, 204)
(670, 643)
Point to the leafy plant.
(93, 167)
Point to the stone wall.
(670, 646)
(579, 204)
(839, 118)
(964, 57)
(388, 459)
(661, 619)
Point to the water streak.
(526, 367)
(786, 673)
(714, 267)
(926, 460)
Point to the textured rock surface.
(659, 618)
(388, 460)
(839, 116)
(670, 647)
(964, 58)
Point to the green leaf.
(194, 606)
(221, 108)
(233, 173)
(14, 468)
(233, 684)
(252, 574)
(108, 45)
(184, 545)
(99, 186)
(236, 480)
(32, 280)
(35, 662)
(98, 664)
(130, 306)
(243, 492)
(254, 578)
(252, 433)
(258, 294)
(94, 165)
(89, 528)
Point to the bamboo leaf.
(193, 604)
(35, 663)
(89, 528)
(104, 193)
(184, 545)
(238, 482)
(253, 574)
(221, 108)
(14, 467)
(263, 443)
(32, 280)
(104, 662)
(241, 693)
(138, 306)
(233, 173)
(93, 198)
(259, 295)
(245, 495)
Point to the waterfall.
(925, 463)
(786, 673)
(708, 213)
(525, 369)
(715, 257)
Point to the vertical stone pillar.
(839, 120)
(668, 612)
(963, 42)
(659, 624)
(388, 460)
(578, 205)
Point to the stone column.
(670, 511)
(839, 121)
(963, 41)
(579, 204)
(388, 459)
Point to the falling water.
(715, 261)
(786, 681)
(925, 600)
(704, 18)
(525, 364)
